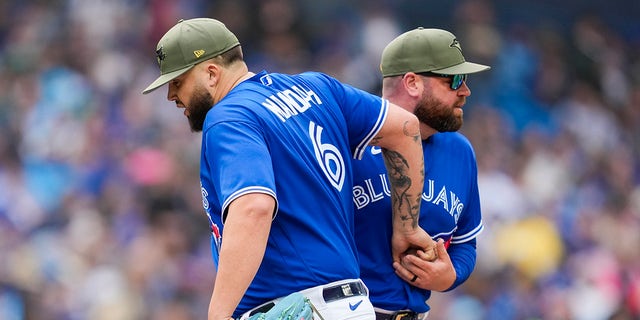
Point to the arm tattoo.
(397, 167)
(415, 135)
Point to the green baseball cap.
(188, 43)
(426, 50)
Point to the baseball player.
(424, 72)
(276, 175)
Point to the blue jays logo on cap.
(160, 55)
(456, 44)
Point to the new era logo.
(198, 53)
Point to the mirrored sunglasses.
(456, 79)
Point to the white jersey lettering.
(290, 102)
(372, 190)
(328, 156)
(428, 196)
(278, 107)
(442, 198)
(360, 197)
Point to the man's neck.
(426, 131)
(230, 78)
(244, 77)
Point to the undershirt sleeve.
(463, 257)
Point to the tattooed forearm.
(403, 202)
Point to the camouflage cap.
(188, 43)
(426, 50)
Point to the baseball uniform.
(287, 136)
(450, 210)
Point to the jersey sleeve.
(470, 222)
(364, 113)
(228, 147)
(463, 257)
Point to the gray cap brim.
(163, 79)
(463, 68)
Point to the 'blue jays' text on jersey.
(291, 137)
(450, 210)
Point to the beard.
(201, 103)
(437, 115)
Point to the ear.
(213, 72)
(413, 84)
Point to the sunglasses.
(456, 79)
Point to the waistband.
(400, 315)
(330, 292)
(344, 290)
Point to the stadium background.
(100, 211)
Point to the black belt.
(398, 315)
(337, 292)
(345, 290)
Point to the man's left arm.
(463, 258)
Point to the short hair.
(389, 84)
(229, 57)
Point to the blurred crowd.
(100, 208)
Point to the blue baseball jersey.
(291, 137)
(450, 210)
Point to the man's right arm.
(401, 146)
(245, 237)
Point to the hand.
(401, 243)
(436, 275)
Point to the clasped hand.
(430, 270)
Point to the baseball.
(428, 255)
